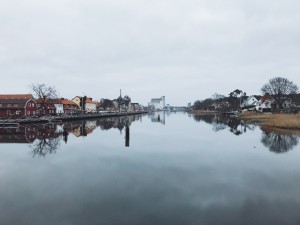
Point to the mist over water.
(154, 169)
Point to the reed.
(280, 120)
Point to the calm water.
(155, 169)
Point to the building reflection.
(221, 122)
(158, 117)
(46, 138)
(127, 136)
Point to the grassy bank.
(282, 120)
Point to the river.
(159, 168)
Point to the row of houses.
(24, 105)
(266, 103)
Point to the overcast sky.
(185, 50)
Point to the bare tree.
(279, 87)
(44, 93)
(216, 96)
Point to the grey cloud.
(121, 44)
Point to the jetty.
(64, 117)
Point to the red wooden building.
(56, 107)
(46, 107)
(17, 106)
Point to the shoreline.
(61, 118)
(204, 112)
(280, 121)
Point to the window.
(29, 104)
(8, 105)
(15, 105)
(1, 105)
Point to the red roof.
(17, 96)
(266, 97)
(67, 102)
(57, 101)
(88, 100)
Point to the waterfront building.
(17, 106)
(157, 103)
(69, 107)
(124, 104)
(86, 103)
(45, 107)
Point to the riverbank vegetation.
(278, 95)
(203, 112)
(280, 120)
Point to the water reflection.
(278, 142)
(45, 138)
(158, 117)
(173, 176)
(221, 122)
(275, 140)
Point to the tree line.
(277, 87)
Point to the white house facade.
(59, 108)
(90, 105)
(250, 103)
(265, 104)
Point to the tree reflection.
(279, 143)
(221, 122)
(47, 139)
(45, 146)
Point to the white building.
(265, 104)
(157, 103)
(250, 102)
(59, 108)
(90, 105)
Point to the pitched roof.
(266, 97)
(57, 101)
(67, 102)
(17, 96)
(88, 100)
(47, 101)
(20, 102)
